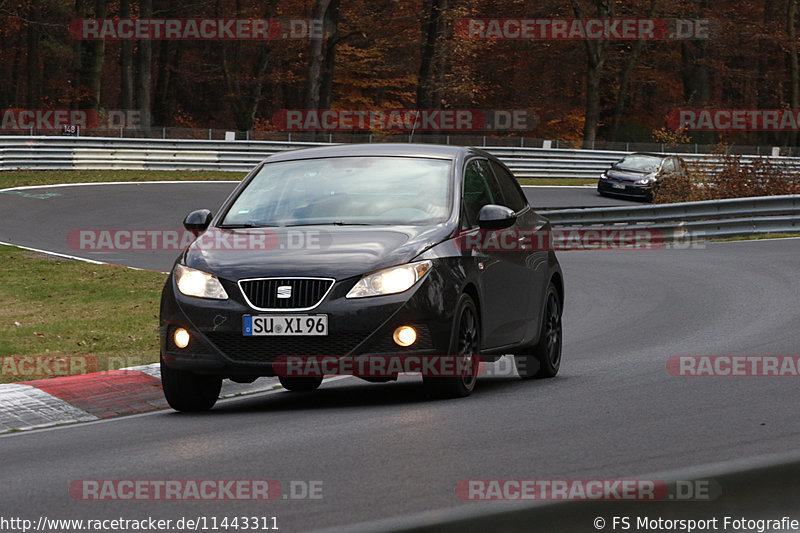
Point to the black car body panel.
(623, 182)
(509, 286)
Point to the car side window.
(669, 165)
(480, 189)
(514, 197)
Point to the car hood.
(626, 175)
(337, 252)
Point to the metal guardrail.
(690, 220)
(108, 153)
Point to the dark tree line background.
(407, 54)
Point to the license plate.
(285, 325)
(618, 185)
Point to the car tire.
(544, 360)
(189, 392)
(300, 383)
(465, 341)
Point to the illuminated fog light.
(405, 336)
(182, 338)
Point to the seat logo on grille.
(284, 291)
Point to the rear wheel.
(466, 345)
(300, 384)
(187, 391)
(545, 358)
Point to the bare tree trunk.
(765, 89)
(77, 57)
(126, 62)
(794, 69)
(92, 62)
(162, 75)
(625, 80)
(696, 75)
(321, 55)
(433, 25)
(596, 54)
(245, 100)
(34, 71)
(145, 73)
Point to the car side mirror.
(198, 221)
(496, 217)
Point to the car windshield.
(345, 191)
(640, 163)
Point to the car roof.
(651, 154)
(435, 151)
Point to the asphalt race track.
(43, 217)
(386, 450)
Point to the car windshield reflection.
(640, 163)
(345, 191)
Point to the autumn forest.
(415, 54)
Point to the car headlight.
(647, 180)
(193, 282)
(390, 280)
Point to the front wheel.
(187, 391)
(545, 358)
(300, 384)
(465, 345)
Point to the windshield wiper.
(332, 223)
(237, 226)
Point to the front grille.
(240, 348)
(304, 293)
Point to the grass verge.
(22, 178)
(53, 307)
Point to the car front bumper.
(628, 189)
(358, 326)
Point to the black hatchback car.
(358, 251)
(637, 175)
